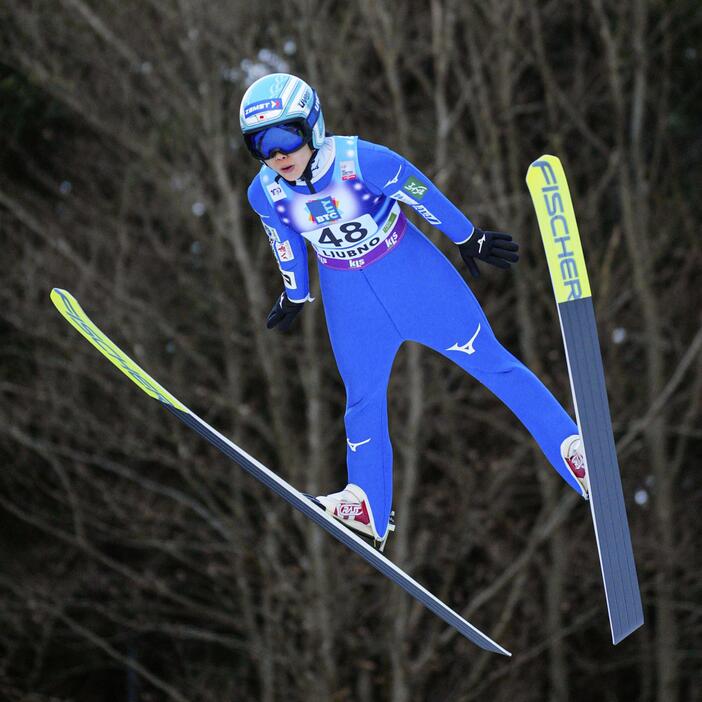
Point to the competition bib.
(357, 242)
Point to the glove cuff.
(465, 241)
(307, 298)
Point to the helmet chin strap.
(307, 173)
(318, 164)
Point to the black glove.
(494, 248)
(283, 313)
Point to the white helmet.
(287, 103)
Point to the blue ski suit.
(383, 282)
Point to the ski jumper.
(383, 282)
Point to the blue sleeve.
(288, 246)
(386, 172)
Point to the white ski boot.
(351, 508)
(571, 450)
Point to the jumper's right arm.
(288, 246)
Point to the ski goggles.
(284, 138)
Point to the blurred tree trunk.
(625, 39)
(387, 39)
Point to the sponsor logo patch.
(348, 170)
(271, 233)
(403, 197)
(324, 210)
(415, 188)
(426, 214)
(563, 248)
(468, 347)
(392, 240)
(347, 509)
(354, 445)
(388, 225)
(285, 252)
(394, 179)
(303, 100)
(289, 279)
(257, 108)
(276, 192)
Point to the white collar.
(322, 161)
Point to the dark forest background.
(136, 563)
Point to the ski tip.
(548, 158)
(65, 303)
(58, 294)
(69, 308)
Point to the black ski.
(71, 310)
(559, 230)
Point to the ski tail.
(571, 286)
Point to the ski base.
(606, 495)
